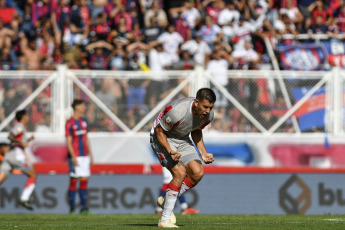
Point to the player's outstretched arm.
(162, 138)
(199, 142)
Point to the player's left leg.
(83, 195)
(195, 172)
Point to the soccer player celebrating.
(17, 158)
(80, 155)
(174, 149)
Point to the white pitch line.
(337, 219)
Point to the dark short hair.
(20, 114)
(206, 93)
(4, 143)
(77, 102)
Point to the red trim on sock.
(72, 184)
(174, 187)
(30, 181)
(188, 182)
(83, 184)
(164, 187)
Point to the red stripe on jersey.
(204, 125)
(176, 124)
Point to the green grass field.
(267, 222)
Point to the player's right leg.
(30, 185)
(71, 193)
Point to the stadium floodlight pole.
(237, 104)
(101, 105)
(281, 82)
(294, 108)
(161, 104)
(29, 99)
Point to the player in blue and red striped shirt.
(80, 155)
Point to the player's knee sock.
(170, 200)
(163, 189)
(83, 193)
(186, 185)
(71, 193)
(28, 189)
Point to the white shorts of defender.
(82, 169)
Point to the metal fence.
(256, 101)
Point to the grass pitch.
(255, 222)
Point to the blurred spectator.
(307, 26)
(185, 63)
(182, 28)
(157, 12)
(273, 10)
(198, 48)
(341, 19)
(62, 13)
(158, 61)
(187, 13)
(123, 17)
(106, 95)
(98, 59)
(171, 41)
(242, 32)
(6, 35)
(7, 62)
(138, 49)
(153, 31)
(117, 58)
(229, 15)
(267, 119)
(292, 12)
(213, 9)
(303, 6)
(42, 9)
(216, 126)
(100, 29)
(319, 27)
(317, 9)
(218, 67)
(32, 55)
(136, 87)
(246, 55)
(285, 26)
(211, 32)
(96, 9)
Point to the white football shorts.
(82, 169)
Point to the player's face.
(81, 108)
(203, 108)
(25, 119)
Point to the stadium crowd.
(160, 35)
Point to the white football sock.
(169, 203)
(27, 192)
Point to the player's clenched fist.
(207, 158)
(175, 155)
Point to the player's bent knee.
(196, 173)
